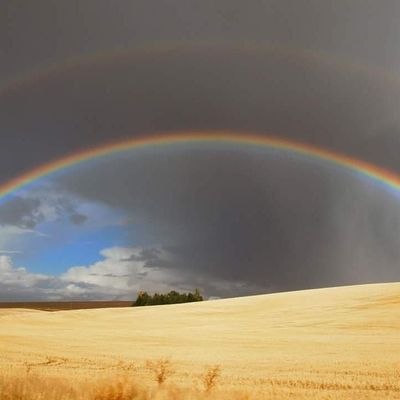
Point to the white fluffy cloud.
(17, 283)
(124, 271)
(13, 276)
(120, 274)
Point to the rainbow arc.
(388, 178)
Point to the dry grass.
(126, 387)
(339, 343)
(211, 378)
(161, 369)
(36, 387)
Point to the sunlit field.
(336, 343)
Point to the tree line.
(173, 297)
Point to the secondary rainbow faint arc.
(374, 172)
(296, 54)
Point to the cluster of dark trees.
(173, 297)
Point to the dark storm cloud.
(151, 257)
(262, 222)
(78, 219)
(203, 88)
(65, 206)
(28, 212)
(21, 212)
(34, 33)
(188, 87)
(268, 221)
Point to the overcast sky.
(229, 219)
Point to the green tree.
(173, 297)
(143, 299)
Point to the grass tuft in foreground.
(34, 387)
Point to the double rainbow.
(388, 178)
(377, 75)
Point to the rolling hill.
(341, 342)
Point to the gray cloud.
(201, 87)
(78, 219)
(266, 220)
(21, 212)
(28, 212)
(32, 34)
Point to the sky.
(229, 219)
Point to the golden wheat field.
(335, 343)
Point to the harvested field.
(336, 343)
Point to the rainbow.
(388, 178)
(302, 56)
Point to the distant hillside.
(65, 305)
